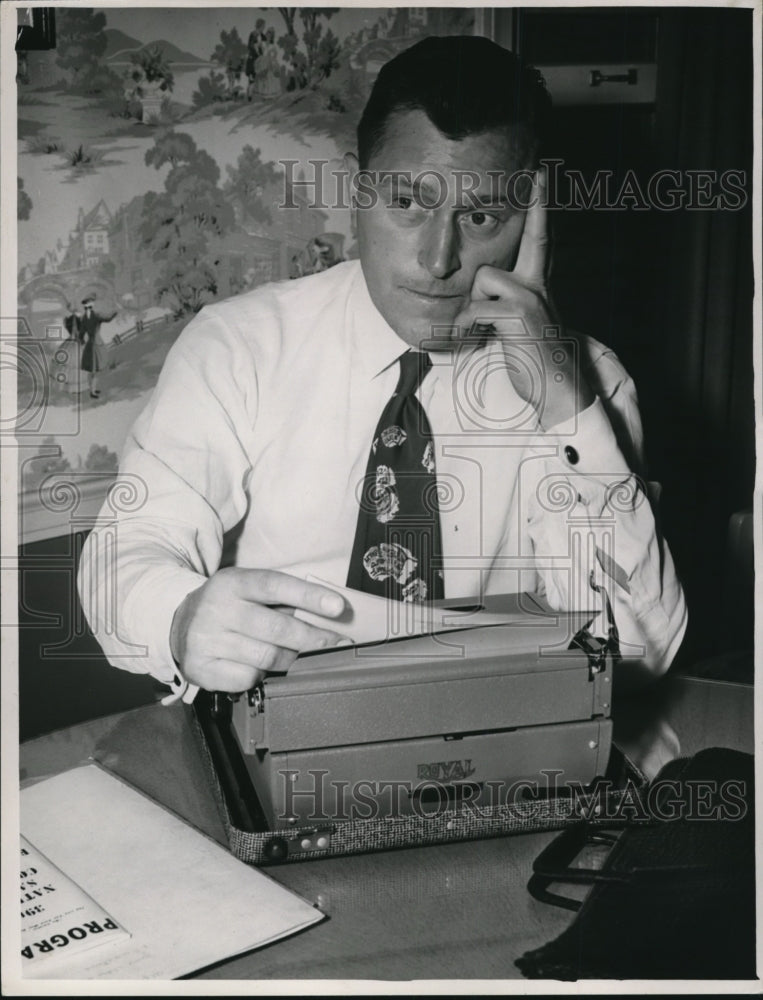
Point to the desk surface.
(456, 911)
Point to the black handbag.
(675, 898)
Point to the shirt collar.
(376, 343)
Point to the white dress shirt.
(253, 445)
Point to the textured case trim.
(363, 836)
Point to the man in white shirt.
(252, 451)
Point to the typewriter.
(404, 729)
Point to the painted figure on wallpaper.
(321, 253)
(92, 343)
(66, 364)
(267, 68)
(254, 49)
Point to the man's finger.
(253, 621)
(272, 587)
(493, 283)
(505, 313)
(532, 258)
(224, 675)
(258, 655)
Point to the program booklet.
(186, 902)
(58, 918)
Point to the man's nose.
(439, 250)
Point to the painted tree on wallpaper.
(314, 58)
(230, 54)
(81, 44)
(178, 223)
(23, 202)
(247, 182)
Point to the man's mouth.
(432, 297)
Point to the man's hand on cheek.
(515, 306)
(240, 625)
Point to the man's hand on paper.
(240, 624)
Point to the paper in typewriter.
(368, 618)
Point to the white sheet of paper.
(368, 618)
(184, 899)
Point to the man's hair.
(465, 85)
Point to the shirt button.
(571, 455)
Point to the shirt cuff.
(150, 614)
(586, 444)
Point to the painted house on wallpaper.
(68, 270)
(87, 246)
(89, 241)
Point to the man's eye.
(481, 220)
(401, 202)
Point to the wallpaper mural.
(150, 174)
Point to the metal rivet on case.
(593, 744)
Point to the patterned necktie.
(397, 540)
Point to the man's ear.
(352, 166)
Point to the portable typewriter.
(391, 740)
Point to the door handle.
(596, 77)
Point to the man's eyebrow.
(488, 201)
(393, 181)
(391, 176)
(468, 196)
(496, 199)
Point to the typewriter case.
(462, 734)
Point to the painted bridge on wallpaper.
(68, 286)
